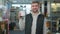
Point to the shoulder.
(29, 14)
(41, 15)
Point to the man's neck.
(35, 13)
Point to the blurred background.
(11, 9)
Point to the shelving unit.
(1, 11)
(14, 15)
(55, 15)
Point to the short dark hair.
(36, 2)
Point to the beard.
(34, 11)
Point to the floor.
(17, 32)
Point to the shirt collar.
(35, 13)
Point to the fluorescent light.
(16, 5)
(14, 1)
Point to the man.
(35, 20)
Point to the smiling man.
(35, 20)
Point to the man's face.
(35, 7)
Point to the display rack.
(14, 14)
(55, 15)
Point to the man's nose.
(34, 7)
